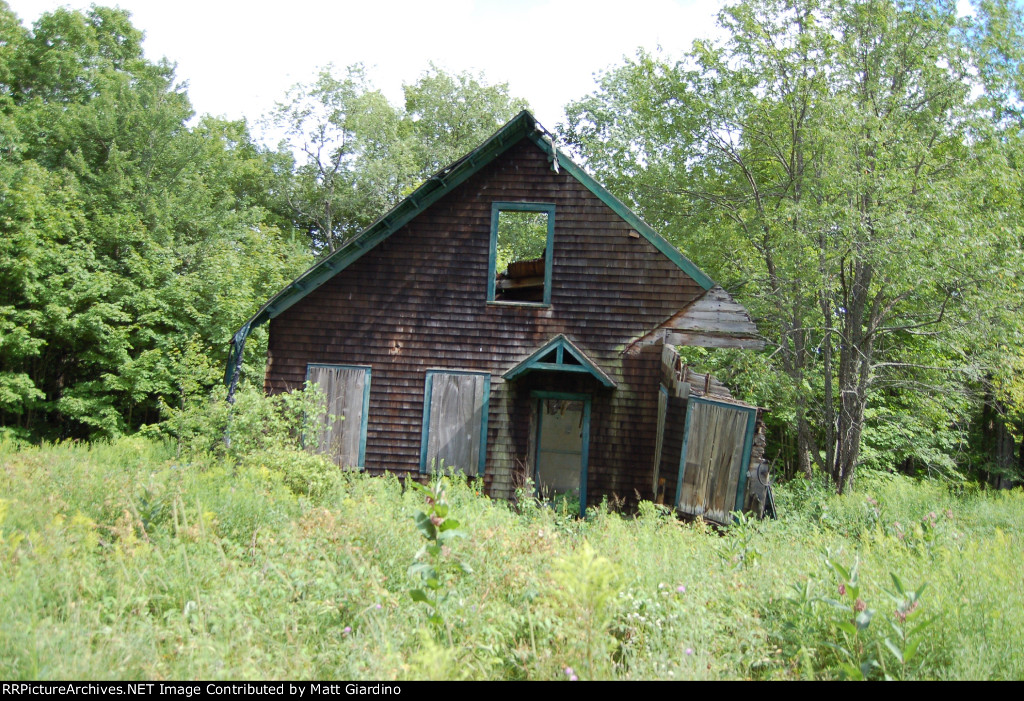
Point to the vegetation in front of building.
(126, 560)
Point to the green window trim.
(496, 209)
(368, 376)
(428, 387)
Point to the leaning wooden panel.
(717, 441)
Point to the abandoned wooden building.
(514, 320)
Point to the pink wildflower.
(842, 590)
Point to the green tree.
(837, 164)
(359, 154)
(128, 236)
(451, 114)
(356, 162)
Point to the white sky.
(239, 58)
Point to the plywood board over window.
(715, 455)
(341, 426)
(455, 421)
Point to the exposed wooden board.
(713, 320)
(677, 338)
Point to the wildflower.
(436, 520)
(681, 589)
(859, 605)
(346, 630)
(571, 674)
(689, 651)
(949, 513)
(378, 607)
(842, 590)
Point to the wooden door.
(563, 433)
(717, 440)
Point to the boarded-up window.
(455, 422)
(715, 455)
(341, 427)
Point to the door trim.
(539, 395)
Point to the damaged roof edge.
(434, 188)
(631, 217)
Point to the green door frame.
(538, 396)
(748, 443)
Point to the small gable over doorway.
(559, 355)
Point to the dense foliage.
(136, 239)
(119, 561)
(133, 243)
(851, 171)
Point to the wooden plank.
(677, 338)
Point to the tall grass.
(122, 561)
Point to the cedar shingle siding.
(417, 301)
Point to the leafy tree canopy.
(849, 169)
(360, 154)
(128, 236)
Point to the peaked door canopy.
(559, 355)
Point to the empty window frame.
(522, 234)
(455, 405)
(340, 429)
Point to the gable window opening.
(521, 252)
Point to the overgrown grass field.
(119, 561)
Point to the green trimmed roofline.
(523, 125)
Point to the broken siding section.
(713, 445)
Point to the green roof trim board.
(523, 125)
(559, 355)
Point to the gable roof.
(560, 355)
(523, 125)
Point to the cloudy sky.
(240, 57)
